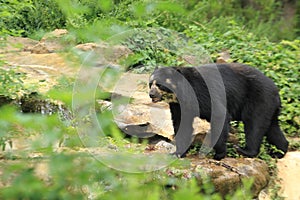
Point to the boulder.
(227, 174)
(107, 53)
(40, 48)
(138, 110)
(17, 44)
(49, 43)
(57, 33)
(224, 57)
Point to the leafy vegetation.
(162, 33)
(27, 17)
(12, 84)
(266, 18)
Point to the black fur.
(222, 92)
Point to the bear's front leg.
(220, 146)
(183, 139)
(175, 115)
(183, 129)
(219, 135)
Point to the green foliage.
(14, 122)
(10, 12)
(191, 191)
(294, 145)
(28, 16)
(244, 192)
(63, 90)
(153, 47)
(12, 85)
(264, 18)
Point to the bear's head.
(162, 86)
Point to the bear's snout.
(155, 95)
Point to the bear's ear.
(158, 67)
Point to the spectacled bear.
(220, 93)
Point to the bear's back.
(243, 85)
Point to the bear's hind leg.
(277, 138)
(255, 129)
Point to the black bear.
(220, 93)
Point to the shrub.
(264, 18)
(28, 16)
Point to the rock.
(87, 46)
(49, 43)
(224, 57)
(137, 130)
(221, 60)
(163, 145)
(227, 174)
(45, 47)
(119, 51)
(142, 114)
(17, 44)
(287, 179)
(35, 103)
(104, 105)
(40, 48)
(192, 60)
(108, 53)
(42, 69)
(57, 33)
(137, 115)
(4, 100)
(141, 110)
(289, 175)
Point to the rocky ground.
(41, 60)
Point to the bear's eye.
(160, 86)
(163, 88)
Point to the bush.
(264, 18)
(12, 85)
(25, 17)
